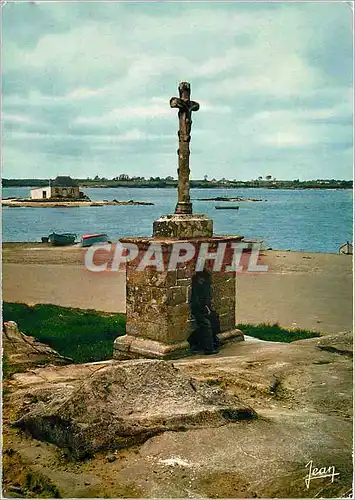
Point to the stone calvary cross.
(185, 107)
(158, 319)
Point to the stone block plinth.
(183, 226)
(159, 320)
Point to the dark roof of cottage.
(63, 181)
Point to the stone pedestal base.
(183, 226)
(159, 320)
(130, 347)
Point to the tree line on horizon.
(124, 180)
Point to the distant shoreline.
(210, 186)
(15, 202)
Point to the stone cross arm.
(188, 106)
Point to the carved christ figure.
(185, 107)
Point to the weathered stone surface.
(131, 346)
(183, 226)
(233, 334)
(153, 312)
(227, 321)
(126, 403)
(157, 302)
(168, 318)
(224, 298)
(301, 393)
(166, 345)
(223, 287)
(23, 350)
(337, 343)
(152, 276)
(160, 330)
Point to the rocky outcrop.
(302, 394)
(226, 198)
(131, 202)
(337, 343)
(72, 203)
(25, 351)
(128, 402)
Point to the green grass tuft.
(275, 333)
(83, 335)
(88, 335)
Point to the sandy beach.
(300, 290)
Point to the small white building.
(41, 193)
(59, 188)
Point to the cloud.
(86, 87)
(127, 113)
(15, 118)
(83, 93)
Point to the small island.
(226, 198)
(62, 192)
(29, 203)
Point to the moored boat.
(92, 239)
(62, 239)
(226, 207)
(346, 249)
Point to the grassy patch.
(275, 333)
(83, 335)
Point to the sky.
(86, 89)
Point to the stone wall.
(157, 302)
(56, 192)
(65, 192)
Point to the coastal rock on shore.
(24, 351)
(15, 202)
(301, 392)
(125, 404)
(131, 202)
(225, 198)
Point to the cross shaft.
(185, 107)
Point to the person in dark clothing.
(208, 326)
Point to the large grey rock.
(23, 351)
(128, 402)
(303, 398)
(340, 343)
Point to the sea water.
(315, 220)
